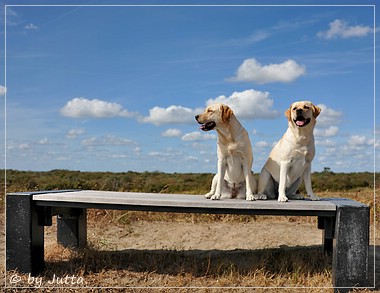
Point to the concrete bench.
(345, 223)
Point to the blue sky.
(116, 88)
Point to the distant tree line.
(157, 182)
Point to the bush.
(190, 183)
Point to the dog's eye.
(295, 108)
(306, 107)
(210, 111)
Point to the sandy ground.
(206, 236)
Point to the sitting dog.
(234, 177)
(290, 159)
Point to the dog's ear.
(288, 113)
(226, 112)
(316, 111)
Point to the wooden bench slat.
(179, 200)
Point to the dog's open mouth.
(300, 121)
(208, 126)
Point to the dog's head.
(302, 114)
(213, 116)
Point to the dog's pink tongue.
(300, 123)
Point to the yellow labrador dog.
(290, 159)
(234, 177)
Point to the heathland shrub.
(195, 183)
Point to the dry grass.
(295, 267)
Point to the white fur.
(234, 176)
(290, 159)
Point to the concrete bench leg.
(351, 246)
(328, 226)
(25, 237)
(72, 228)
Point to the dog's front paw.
(282, 198)
(250, 197)
(261, 196)
(314, 197)
(208, 195)
(216, 197)
(295, 196)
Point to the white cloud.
(44, 141)
(326, 132)
(326, 142)
(168, 155)
(90, 141)
(340, 29)
(108, 140)
(31, 26)
(328, 116)
(171, 132)
(137, 150)
(115, 141)
(192, 159)
(2, 90)
(198, 136)
(13, 18)
(119, 156)
(249, 104)
(257, 36)
(24, 146)
(252, 71)
(74, 133)
(359, 141)
(171, 115)
(261, 144)
(85, 108)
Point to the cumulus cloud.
(31, 26)
(262, 144)
(2, 90)
(44, 141)
(252, 71)
(85, 108)
(24, 146)
(359, 141)
(340, 29)
(328, 116)
(326, 132)
(172, 132)
(198, 136)
(170, 115)
(74, 133)
(327, 122)
(249, 104)
(108, 140)
(326, 143)
(169, 154)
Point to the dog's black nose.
(196, 117)
(299, 111)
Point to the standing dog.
(234, 177)
(290, 160)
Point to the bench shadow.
(199, 263)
